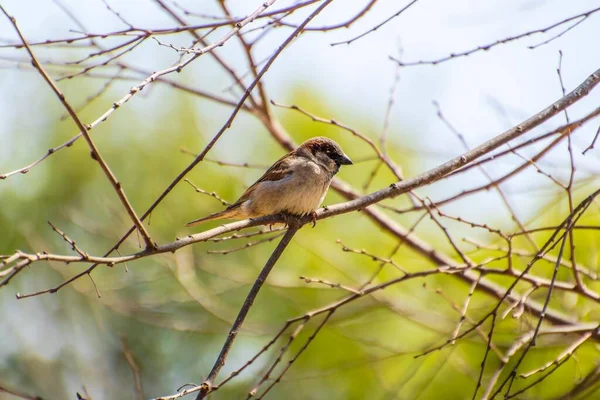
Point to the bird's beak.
(344, 160)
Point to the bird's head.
(326, 152)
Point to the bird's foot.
(290, 219)
(287, 219)
(313, 218)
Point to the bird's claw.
(286, 219)
(290, 219)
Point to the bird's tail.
(228, 213)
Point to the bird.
(296, 184)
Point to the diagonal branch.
(18, 394)
(233, 332)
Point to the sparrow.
(296, 184)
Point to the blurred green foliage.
(175, 310)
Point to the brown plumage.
(295, 184)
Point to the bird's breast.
(299, 193)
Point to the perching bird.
(296, 184)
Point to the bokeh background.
(172, 312)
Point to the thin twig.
(135, 370)
(211, 194)
(246, 246)
(20, 395)
(591, 146)
(331, 284)
(376, 26)
(488, 46)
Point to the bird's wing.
(279, 170)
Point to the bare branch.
(376, 26)
(260, 280)
(488, 46)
